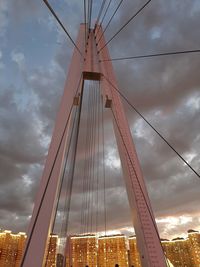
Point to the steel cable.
(100, 12)
(143, 194)
(106, 27)
(62, 26)
(129, 20)
(152, 127)
(61, 187)
(153, 55)
(48, 180)
(103, 17)
(84, 7)
(73, 170)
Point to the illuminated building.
(178, 252)
(184, 252)
(194, 243)
(88, 250)
(112, 250)
(134, 257)
(11, 248)
(83, 250)
(52, 251)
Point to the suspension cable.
(102, 20)
(93, 155)
(89, 157)
(48, 180)
(98, 151)
(104, 179)
(100, 12)
(152, 127)
(84, 7)
(63, 172)
(85, 170)
(153, 55)
(69, 176)
(90, 18)
(104, 173)
(129, 20)
(73, 167)
(118, 6)
(62, 26)
(60, 190)
(91, 162)
(94, 167)
(85, 167)
(106, 12)
(88, 160)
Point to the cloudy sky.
(34, 58)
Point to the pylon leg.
(41, 220)
(151, 252)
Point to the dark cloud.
(19, 127)
(24, 10)
(165, 90)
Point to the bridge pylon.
(92, 66)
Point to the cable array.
(91, 170)
(105, 13)
(100, 12)
(104, 173)
(129, 20)
(108, 6)
(65, 181)
(76, 135)
(106, 27)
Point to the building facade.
(83, 251)
(134, 256)
(52, 251)
(11, 248)
(194, 244)
(112, 250)
(184, 252)
(178, 252)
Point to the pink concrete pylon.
(148, 240)
(93, 68)
(42, 217)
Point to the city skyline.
(96, 250)
(168, 96)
